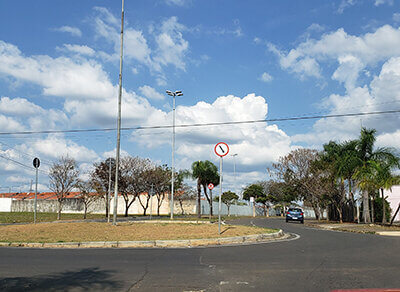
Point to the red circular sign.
(221, 149)
(210, 186)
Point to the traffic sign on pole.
(210, 186)
(36, 164)
(221, 149)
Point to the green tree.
(205, 172)
(370, 160)
(229, 198)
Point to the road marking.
(242, 283)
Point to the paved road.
(319, 260)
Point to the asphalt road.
(319, 260)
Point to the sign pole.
(34, 215)
(36, 164)
(220, 195)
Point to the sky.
(233, 60)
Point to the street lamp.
(234, 171)
(173, 94)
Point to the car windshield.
(294, 210)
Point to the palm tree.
(367, 174)
(205, 172)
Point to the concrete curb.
(185, 243)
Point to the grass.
(27, 217)
(95, 231)
(354, 227)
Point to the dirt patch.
(80, 232)
(354, 227)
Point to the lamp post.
(173, 94)
(234, 171)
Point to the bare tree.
(132, 182)
(100, 178)
(63, 179)
(87, 196)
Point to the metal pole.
(109, 191)
(34, 214)
(220, 195)
(119, 119)
(173, 158)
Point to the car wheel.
(302, 221)
(287, 221)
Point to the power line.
(21, 164)
(204, 124)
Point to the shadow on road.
(85, 279)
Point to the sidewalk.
(386, 230)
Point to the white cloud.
(346, 4)
(178, 2)
(347, 50)
(396, 17)
(70, 29)
(55, 146)
(265, 77)
(171, 46)
(78, 49)
(380, 2)
(58, 76)
(24, 114)
(150, 93)
(257, 144)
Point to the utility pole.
(118, 120)
(109, 191)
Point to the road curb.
(184, 243)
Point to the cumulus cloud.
(346, 4)
(150, 93)
(58, 76)
(256, 144)
(353, 53)
(74, 31)
(78, 49)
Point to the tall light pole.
(119, 119)
(234, 172)
(173, 94)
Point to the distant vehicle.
(295, 214)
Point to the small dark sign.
(36, 162)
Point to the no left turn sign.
(221, 149)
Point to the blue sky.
(233, 60)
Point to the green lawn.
(26, 217)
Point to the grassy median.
(81, 232)
(26, 217)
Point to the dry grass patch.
(80, 232)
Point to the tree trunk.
(339, 209)
(372, 210)
(366, 215)
(229, 212)
(267, 211)
(198, 199)
(59, 209)
(209, 200)
(383, 208)
(84, 214)
(395, 214)
(126, 208)
(180, 203)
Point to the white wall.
(5, 204)
(394, 200)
